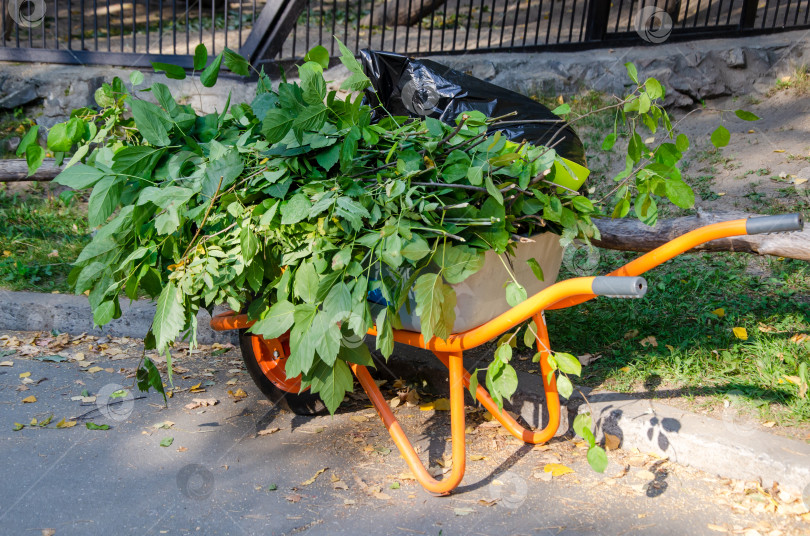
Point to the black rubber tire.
(304, 403)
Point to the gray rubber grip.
(774, 224)
(619, 287)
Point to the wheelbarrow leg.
(440, 487)
(549, 386)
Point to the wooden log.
(16, 170)
(628, 234)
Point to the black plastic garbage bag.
(424, 88)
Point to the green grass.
(31, 228)
(697, 352)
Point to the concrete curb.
(27, 311)
(725, 447)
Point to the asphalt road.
(220, 476)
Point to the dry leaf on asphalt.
(268, 431)
(65, 424)
(557, 469)
(316, 475)
(463, 511)
(7, 364)
(29, 399)
(24, 374)
(237, 395)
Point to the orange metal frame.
(450, 352)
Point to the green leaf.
(680, 193)
(358, 81)
(200, 57)
(564, 386)
(319, 55)
(136, 78)
(175, 72)
(79, 176)
(94, 426)
(148, 376)
(151, 122)
(568, 363)
(306, 282)
(654, 88)
(311, 117)
(506, 381)
(682, 143)
(562, 109)
(473, 383)
(632, 72)
(327, 159)
(138, 160)
(103, 200)
(610, 141)
(530, 335)
(34, 155)
(279, 319)
(435, 303)
(358, 355)
(494, 192)
(515, 294)
(209, 76)
(746, 115)
(226, 168)
(295, 210)
(416, 249)
(170, 317)
(459, 262)
(58, 140)
(236, 63)
(276, 124)
(332, 383)
(29, 138)
(597, 458)
(326, 337)
(104, 312)
(166, 441)
(312, 83)
(720, 137)
(581, 423)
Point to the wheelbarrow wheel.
(267, 372)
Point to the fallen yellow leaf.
(477, 457)
(25, 374)
(612, 442)
(779, 150)
(799, 181)
(316, 475)
(741, 333)
(441, 404)
(649, 341)
(65, 424)
(625, 369)
(719, 312)
(93, 370)
(557, 469)
(29, 399)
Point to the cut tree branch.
(627, 234)
(16, 170)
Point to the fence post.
(596, 27)
(749, 14)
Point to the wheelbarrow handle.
(619, 287)
(774, 224)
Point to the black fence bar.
(136, 32)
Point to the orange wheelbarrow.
(265, 358)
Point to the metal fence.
(134, 32)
